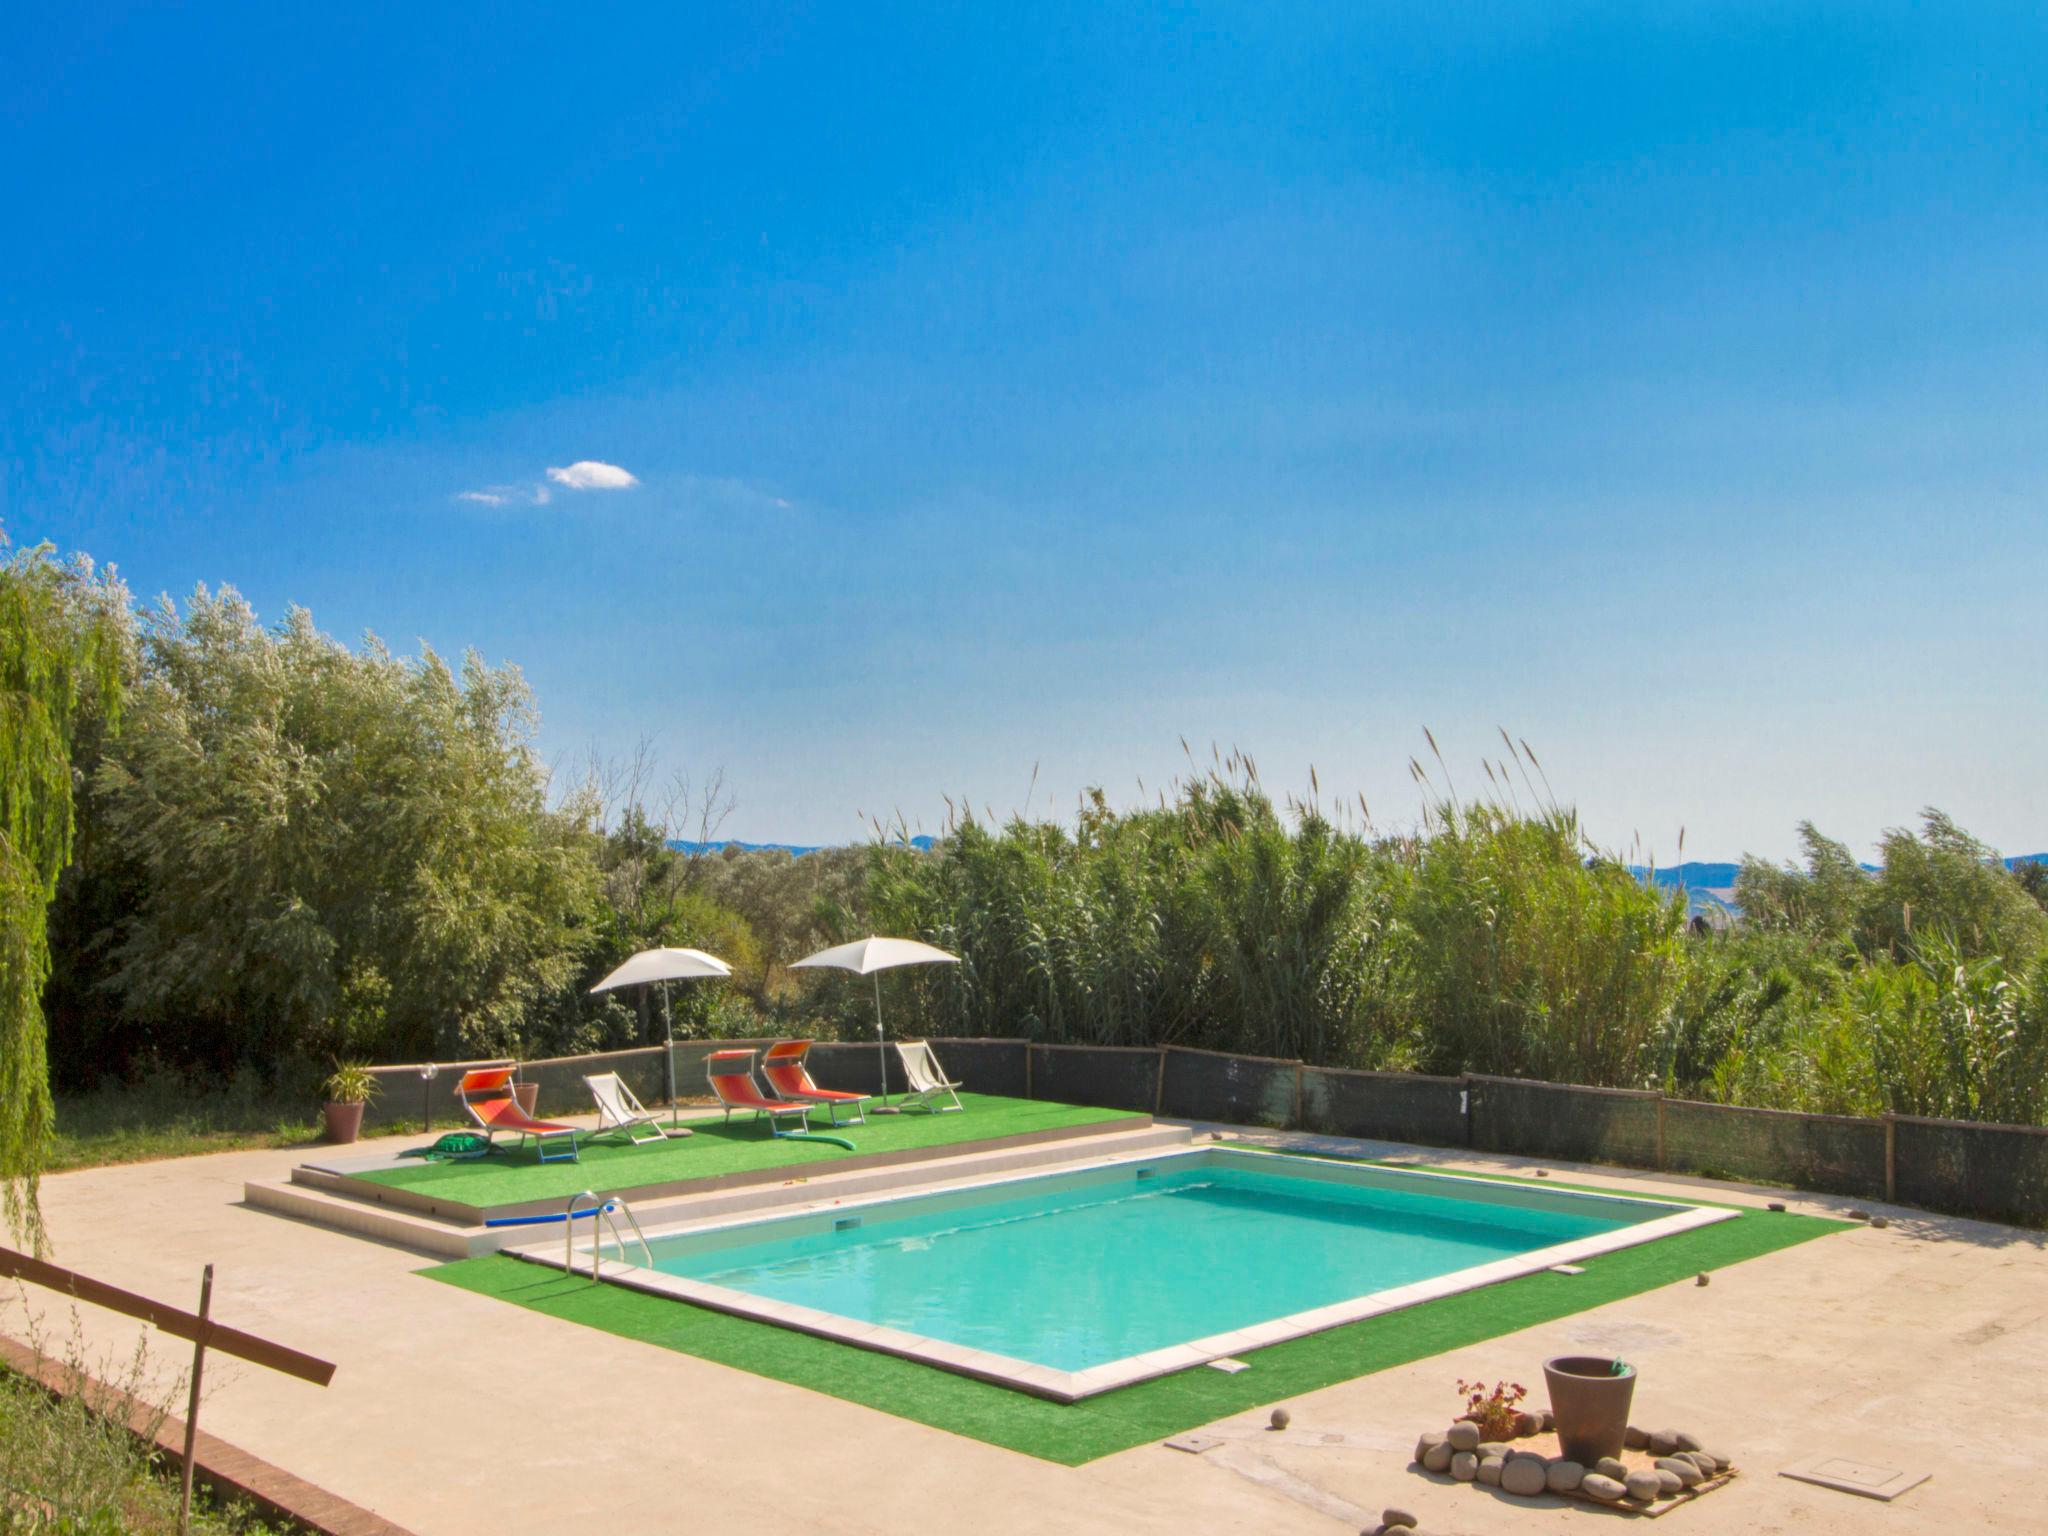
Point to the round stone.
(1538, 1457)
(1549, 1421)
(1563, 1476)
(1428, 1438)
(1699, 1459)
(1663, 1441)
(1645, 1486)
(1463, 1436)
(1721, 1463)
(1703, 1279)
(1775, 1205)
(1394, 1518)
(1671, 1481)
(1880, 1221)
(1437, 1458)
(1688, 1472)
(1491, 1469)
(1636, 1439)
(1488, 1448)
(1524, 1476)
(1686, 1442)
(1281, 1418)
(1464, 1466)
(1528, 1424)
(1603, 1488)
(1611, 1467)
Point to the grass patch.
(165, 1116)
(1100, 1426)
(70, 1466)
(717, 1148)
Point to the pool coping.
(1072, 1386)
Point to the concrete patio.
(1915, 1346)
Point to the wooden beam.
(172, 1320)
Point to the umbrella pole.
(881, 1052)
(668, 1055)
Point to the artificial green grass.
(744, 1146)
(1073, 1433)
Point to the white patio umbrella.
(665, 965)
(870, 957)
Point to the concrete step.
(306, 1201)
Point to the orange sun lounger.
(787, 1075)
(486, 1093)
(731, 1074)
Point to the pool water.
(1077, 1270)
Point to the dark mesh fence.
(404, 1096)
(851, 1066)
(985, 1066)
(1109, 1077)
(1603, 1125)
(1239, 1090)
(1993, 1171)
(1387, 1106)
(1831, 1153)
(1998, 1172)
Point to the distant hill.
(798, 850)
(1713, 885)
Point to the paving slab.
(1878, 1345)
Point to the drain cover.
(1873, 1480)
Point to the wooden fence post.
(1891, 1159)
(1159, 1084)
(1027, 1070)
(1300, 1073)
(1660, 1131)
(192, 1403)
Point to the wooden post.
(192, 1402)
(1159, 1083)
(1300, 1069)
(1891, 1159)
(1027, 1070)
(1660, 1132)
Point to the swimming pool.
(1072, 1283)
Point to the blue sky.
(1664, 384)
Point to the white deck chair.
(928, 1081)
(618, 1110)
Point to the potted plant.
(348, 1088)
(1589, 1397)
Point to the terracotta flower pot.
(528, 1094)
(1591, 1404)
(344, 1121)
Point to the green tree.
(334, 850)
(63, 648)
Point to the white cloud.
(486, 498)
(591, 475)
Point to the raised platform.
(355, 1193)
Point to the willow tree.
(62, 640)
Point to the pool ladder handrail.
(600, 1211)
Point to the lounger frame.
(486, 1093)
(725, 1069)
(622, 1111)
(927, 1079)
(783, 1067)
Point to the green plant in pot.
(349, 1088)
